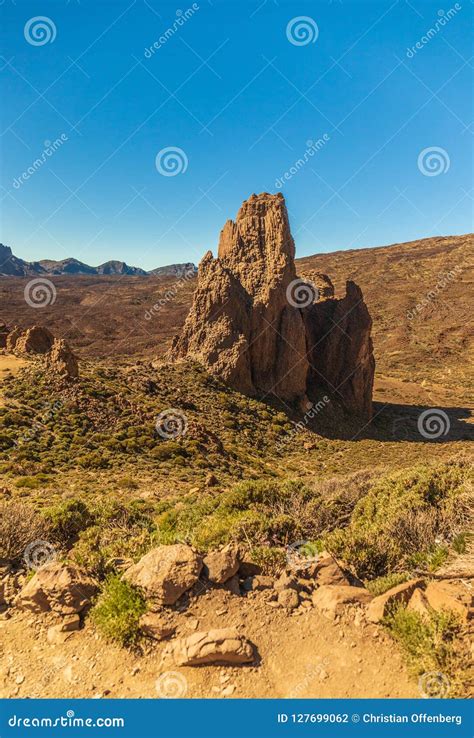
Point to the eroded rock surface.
(64, 588)
(166, 572)
(224, 645)
(266, 331)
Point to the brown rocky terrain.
(417, 352)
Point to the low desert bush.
(20, 525)
(429, 642)
(67, 519)
(399, 522)
(117, 612)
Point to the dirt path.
(301, 655)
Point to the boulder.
(252, 318)
(331, 599)
(154, 625)
(451, 596)
(381, 605)
(219, 566)
(12, 338)
(261, 582)
(64, 588)
(166, 572)
(223, 646)
(288, 598)
(326, 570)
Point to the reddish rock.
(326, 570)
(419, 604)
(222, 565)
(381, 605)
(449, 595)
(252, 319)
(63, 588)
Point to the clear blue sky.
(230, 90)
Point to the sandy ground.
(299, 655)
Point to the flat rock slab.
(222, 646)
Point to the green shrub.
(427, 641)
(117, 612)
(398, 521)
(68, 519)
(383, 584)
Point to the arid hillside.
(416, 293)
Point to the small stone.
(227, 691)
(288, 598)
(20, 679)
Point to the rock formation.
(39, 340)
(266, 331)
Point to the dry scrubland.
(83, 468)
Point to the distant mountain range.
(13, 266)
